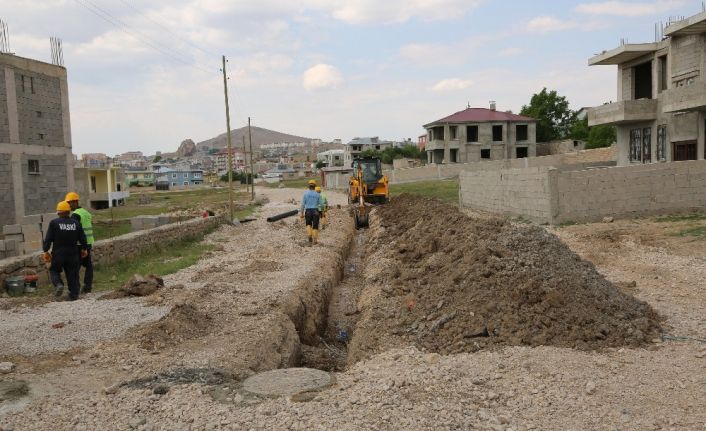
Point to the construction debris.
(137, 286)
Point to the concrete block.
(12, 229)
(15, 237)
(46, 218)
(10, 245)
(33, 237)
(2, 246)
(31, 228)
(31, 219)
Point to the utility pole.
(230, 147)
(252, 168)
(245, 166)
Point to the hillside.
(259, 136)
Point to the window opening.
(497, 133)
(471, 133)
(521, 132)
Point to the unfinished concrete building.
(478, 134)
(36, 164)
(661, 101)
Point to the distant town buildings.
(36, 163)
(331, 157)
(477, 134)
(660, 113)
(356, 146)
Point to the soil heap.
(450, 283)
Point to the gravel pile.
(60, 326)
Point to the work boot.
(86, 289)
(58, 290)
(315, 234)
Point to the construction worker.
(323, 207)
(62, 236)
(310, 212)
(86, 220)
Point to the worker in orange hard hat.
(62, 236)
(84, 217)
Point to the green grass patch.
(682, 217)
(446, 190)
(160, 260)
(167, 201)
(698, 232)
(109, 230)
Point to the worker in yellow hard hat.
(84, 217)
(323, 207)
(62, 236)
(310, 212)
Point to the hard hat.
(318, 189)
(63, 207)
(312, 182)
(71, 196)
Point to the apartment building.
(355, 147)
(478, 134)
(36, 163)
(660, 112)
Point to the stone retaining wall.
(111, 250)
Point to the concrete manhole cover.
(287, 382)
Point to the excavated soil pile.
(183, 322)
(450, 283)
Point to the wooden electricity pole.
(230, 147)
(252, 168)
(245, 165)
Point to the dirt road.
(246, 308)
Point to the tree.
(156, 159)
(595, 137)
(601, 136)
(554, 118)
(320, 164)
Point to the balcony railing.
(627, 111)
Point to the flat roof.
(623, 54)
(692, 25)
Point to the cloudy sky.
(144, 75)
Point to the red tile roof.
(481, 115)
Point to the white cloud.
(452, 84)
(509, 52)
(425, 52)
(321, 76)
(622, 8)
(396, 11)
(544, 24)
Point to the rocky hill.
(259, 136)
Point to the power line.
(177, 35)
(106, 16)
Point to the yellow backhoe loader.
(367, 187)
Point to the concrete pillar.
(701, 140)
(18, 185)
(66, 123)
(447, 154)
(110, 187)
(12, 116)
(430, 160)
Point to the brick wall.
(599, 156)
(559, 195)
(4, 119)
(109, 251)
(630, 191)
(7, 193)
(516, 192)
(39, 109)
(43, 191)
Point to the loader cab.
(372, 169)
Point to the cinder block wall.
(517, 192)
(630, 191)
(599, 156)
(551, 195)
(109, 251)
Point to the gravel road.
(660, 387)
